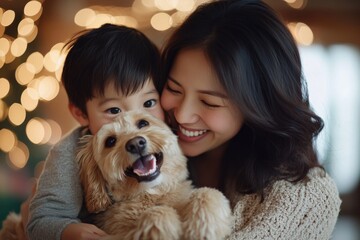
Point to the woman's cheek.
(167, 101)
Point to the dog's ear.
(94, 185)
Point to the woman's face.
(195, 99)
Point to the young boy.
(107, 71)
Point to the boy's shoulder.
(71, 139)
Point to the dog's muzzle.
(147, 165)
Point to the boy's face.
(104, 109)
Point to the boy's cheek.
(158, 113)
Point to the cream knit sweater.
(306, 210)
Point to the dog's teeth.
(144, 167)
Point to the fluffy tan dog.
(135, 177)
(12, 228)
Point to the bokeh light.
(48, 88)
(24, 73)
(9, 57)
(7, 140)
(166, 5)
(3, 110)
(32, 9)
(4, 46)
(4, 87)
(18, 46)
(56, 132)
(19, 155)
(185, 5)
(84, 17)
(302, 33)
(32, 35)
(177, 18)
(17, 114)
(161, 21)
(36, 59)
(7, 18)
(35, 131)
(26, 27)
(29, 99)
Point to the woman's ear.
(79, 116)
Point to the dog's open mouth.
(146, 168)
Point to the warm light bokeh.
(4, 87)
(17, 114)
(7, 140)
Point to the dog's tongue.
(145, 165)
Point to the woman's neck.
(206, 168)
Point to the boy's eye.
(110, 142)
(150, 103)
(114, 110)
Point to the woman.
(235, 94)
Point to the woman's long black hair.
(257, 61)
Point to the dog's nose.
(136, 145)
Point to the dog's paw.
(12, 228)
(159, 222)
(207, 215)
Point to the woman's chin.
(190, 151)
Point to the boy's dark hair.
(110, 53)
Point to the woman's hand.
(82, 231)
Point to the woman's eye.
(114, 110)
(171, 89)
(150, 103)
(210, 105)
(110, 142)
(142, 123)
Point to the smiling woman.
(202, 99)
(235, 93)
(46, 25)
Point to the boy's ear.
(78, 115)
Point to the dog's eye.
(110, 142)
(142, 123)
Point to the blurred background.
(33, 104)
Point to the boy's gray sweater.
(58, 199)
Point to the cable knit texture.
(304, 210)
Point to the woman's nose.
(186, 112)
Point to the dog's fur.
(162, 205)
(12, 228)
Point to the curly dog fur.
(135, 178)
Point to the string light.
(302, 33)
(4, 87)
(44, 87)
(161, 21)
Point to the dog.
(13, 228)
(135, 178)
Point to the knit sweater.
(58, 200)
(305, 210)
